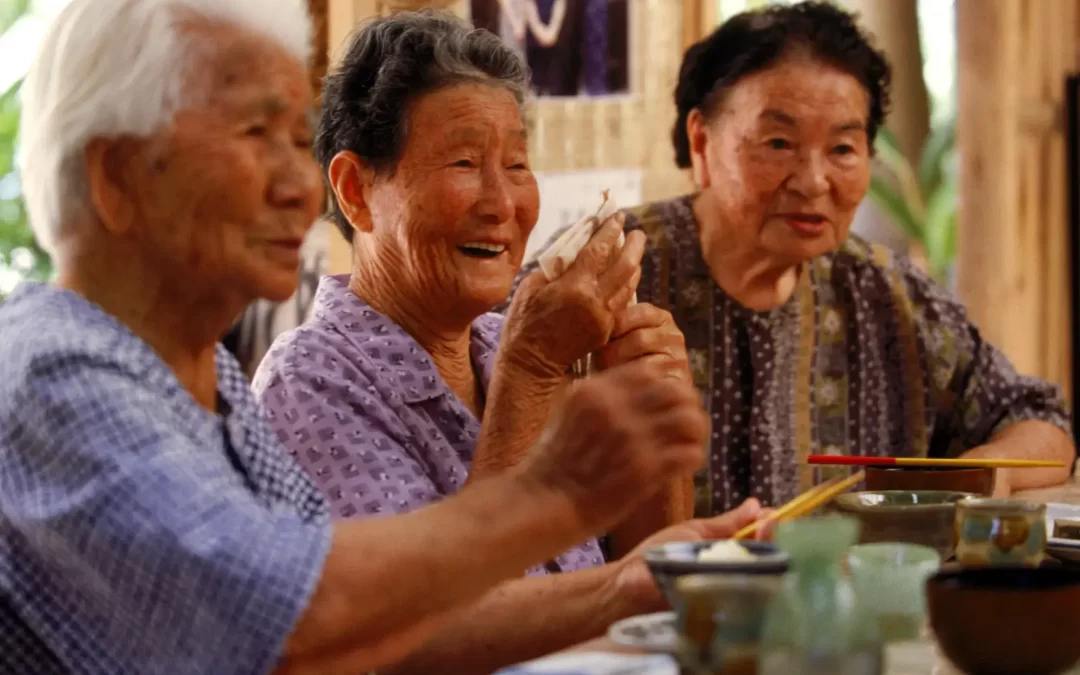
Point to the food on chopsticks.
(561, 254)
(724, 551)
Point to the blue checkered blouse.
(139, 533)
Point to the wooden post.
(1012, 262)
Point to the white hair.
(109, 68)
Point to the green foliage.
(19, 253)
(921, 200)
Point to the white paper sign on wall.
(567, 196)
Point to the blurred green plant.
(20, 256)
(921, 200)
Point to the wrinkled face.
(785, 159)
(453, 219)
(226, 195)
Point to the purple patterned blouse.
(360, 405)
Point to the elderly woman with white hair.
(149, 522)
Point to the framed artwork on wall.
(573, 47)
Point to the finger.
(668, 368)
(687, 425)
(624, 265)
(641, 315)
(643, 343)
(640, 374)
(596, 256)
(622, 297)
(679, 459)
(765, 529)
(662, 394)
(727, 524)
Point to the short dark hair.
(753, 41)
(389, 63)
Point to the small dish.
(678, 559)
(655, 633)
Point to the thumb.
(727, 524)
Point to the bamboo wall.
(1012, 244)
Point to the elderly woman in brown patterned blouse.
(803, 338)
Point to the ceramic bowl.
(922, 517)
(1006, 621)
(977, 481)
(678, 559)
(1000, 532)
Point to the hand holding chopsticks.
(806, 503)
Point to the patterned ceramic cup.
(1003, 532)
(720, 618)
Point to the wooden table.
(909, 658)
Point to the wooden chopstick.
(807, 502)
(931, 462)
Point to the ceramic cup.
(1003, 532)
(720, 619)
(889, 581)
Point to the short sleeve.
(133, 547)
(347, 438)
(977, 391)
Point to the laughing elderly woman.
(806, 339)
(385, 396)
(149, 524)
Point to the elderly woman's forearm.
(519, 407)
(423, 564)
(504, 626)
(1030, 439)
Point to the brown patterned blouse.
(868, 357)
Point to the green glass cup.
(889, 579)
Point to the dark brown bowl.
(976, 481)
(1006, 621)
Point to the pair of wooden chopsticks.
(930, 462)
(807, 502)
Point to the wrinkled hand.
(551, 324)
(644, 332)
(634, 582)
(618, 439)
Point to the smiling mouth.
(480, 250)
(809, 220)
